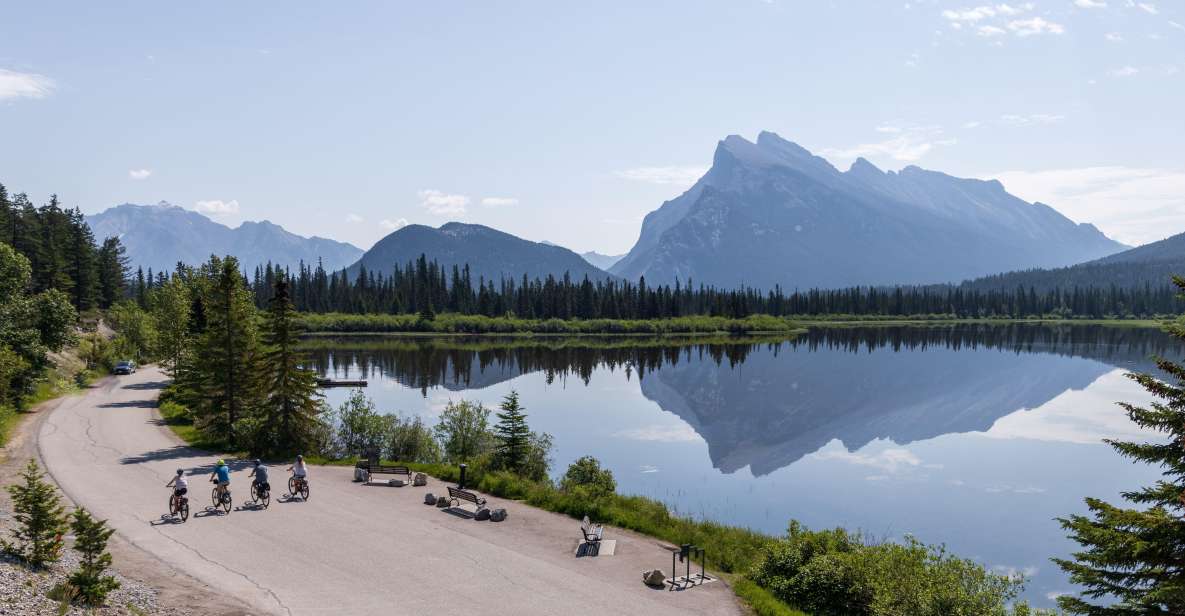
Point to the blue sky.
(568, 121)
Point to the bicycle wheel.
(172, 505)
(226, 502)
(254, 494)
(184, 510)
(265, 497)
(292, 486)
(304, 490)
(214, 497)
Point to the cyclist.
(260, 475)
(298, 468)
(179, 484)
(222, 475)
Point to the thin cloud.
(1131, 204)
(1033, 119)
(443, 204)
(908, 144)
(1090, 4)
(392, 225)
(671, 175)
(1149, 8)
(681, 433)
(217, 207)
(1114, 37)
(24, 85)
(1126, 71)
(498, 201)
(353, 218)
(1034, 26)
(139, 174)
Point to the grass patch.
(178, 419)
(760, 600)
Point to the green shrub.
(90, 540)
(586, 478)
(40, 519)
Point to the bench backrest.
(462, 494)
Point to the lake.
(976, 436)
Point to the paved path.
(351, 549)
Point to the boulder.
(420, 480)
(361, 474)
(498, 515)
(482, 514)
(429, 499)
(442, 502)
(396, 483)
(654, 578)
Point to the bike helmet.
(180, 471)
(221, 462)
(257, 462)
(299, 457)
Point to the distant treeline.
(62, 251)
(426, 287)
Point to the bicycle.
(261, 494)
(179, 506)
(298, 486)
(225, 501)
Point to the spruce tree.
(113, 272)
(90, 540)
(512, 435)
(1131, 559)
(291, 405)
(40, 519)
(224, 364)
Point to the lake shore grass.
(508, 325)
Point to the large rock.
(482, 514)
(429, 499)
(420, 480)
(654, 578)
(498, 515)
(361, 474)
(442, 502)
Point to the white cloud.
(1090, 4)
(24, 85)
(991, 31)
(681, 433)
(972, 124)
(139, 174)
(1149, 8)
(671, 175)
(980, 13)
(353, 218)
(1126, 71)
(217, 207)
(1034, 26)
(1114, 37)
(391, 225)
(443, 204)
(498, 201)
(1132, 205)
(908, 144)
(1176, 25)
(1011, 119)
(890, 460)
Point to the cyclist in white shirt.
(179, 483)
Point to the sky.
(569, 121)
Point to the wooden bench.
(377, 468)
(456, 495)
(592, 532)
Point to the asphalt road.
(351, 549)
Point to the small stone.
(429, 499)
(498, 515)
(482, 515)
(420, 480)
(442, 502)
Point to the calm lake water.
(972, 436)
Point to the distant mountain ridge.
(158, 236)
(771, 213)
(490, 253)
(602, 261)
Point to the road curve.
(351, 549)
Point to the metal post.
(461, 482)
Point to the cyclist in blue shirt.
(222, 472)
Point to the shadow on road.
(211, 512)
(147, 385)
(130, 404)
(166, 519)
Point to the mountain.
(1152, 264)
(771, 213)
(602, 261)
(488, 252)
(158, 236)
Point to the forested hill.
(1151, 265)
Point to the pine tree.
(1132, 557)
(113, 272)
(90, 540)
(40, 517)
(512, 434)
(224, 364)
(290, 409)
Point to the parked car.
(125, 367)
